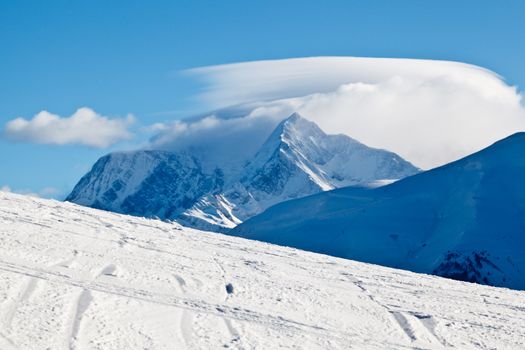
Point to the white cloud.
(238, 83)
(430, 112)
(224, 142)
(46, 192)
(85, 127)
(49, 192)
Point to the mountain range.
(298, 159)
(464, 220)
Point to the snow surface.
(297, 159)
(73, 277)
(465, 220)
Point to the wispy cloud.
(84, 127)
(430, 112)
(46, 192)
(223, 142)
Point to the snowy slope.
(465, 220)
(78, 278)
(146, 183)
(298, 159)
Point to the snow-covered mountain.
(78, 278)
(297, 159)
(465, 220)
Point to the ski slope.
(72, 277)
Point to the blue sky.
(123, 57)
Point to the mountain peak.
(294, 117)
(298, 159)
(297, 127)
(292, 133)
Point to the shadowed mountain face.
(465, 220)
(297, 159)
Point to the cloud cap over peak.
(84, 127)
(429, 112)
(237, 83)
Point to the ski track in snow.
(77, 278)
(82, 304)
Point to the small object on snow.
(229, 288)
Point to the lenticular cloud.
(430, 112)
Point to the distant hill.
(464, 220)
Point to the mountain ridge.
(297, 159)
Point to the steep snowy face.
(298, 159)
(145, 183)
(465, 220)
(287, 165)
(298, 146)
(111, 180)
